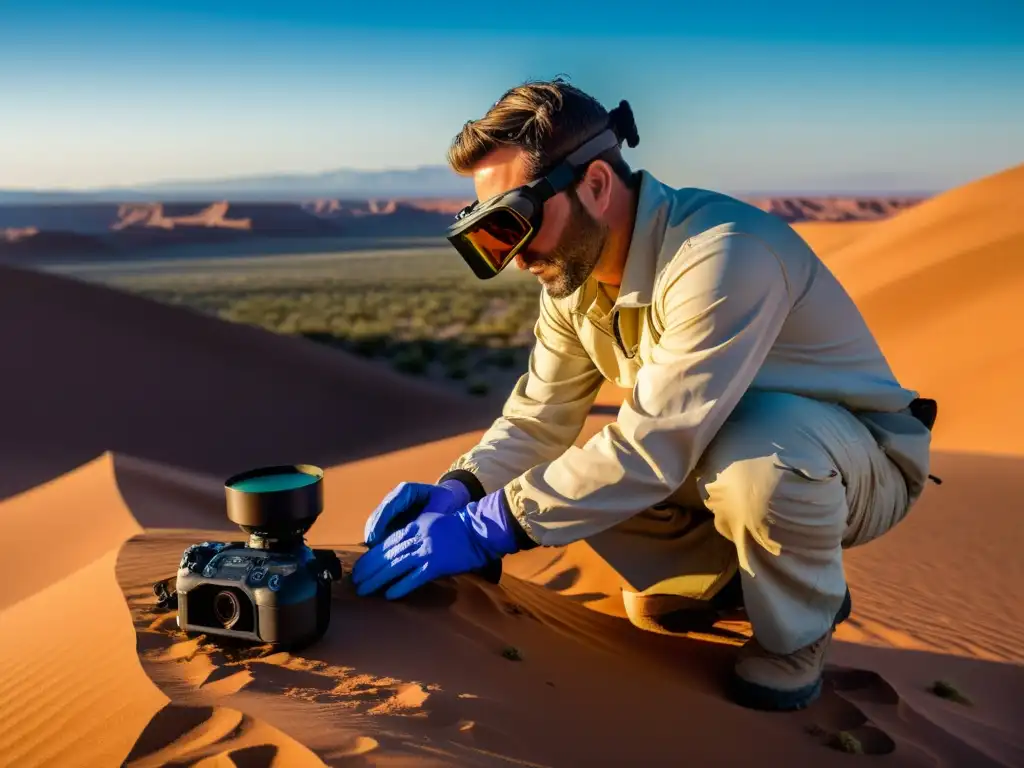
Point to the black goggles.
(489, 234)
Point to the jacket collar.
(637, 287)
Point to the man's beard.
(576, 255)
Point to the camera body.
(271, 589)
(282, 598)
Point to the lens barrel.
(226, 608)
(277, 500)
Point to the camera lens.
(226, 608)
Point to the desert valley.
(154, 348)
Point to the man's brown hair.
(546, 118)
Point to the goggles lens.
(496, 236)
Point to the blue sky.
(740, 96)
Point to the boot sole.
(754, 696)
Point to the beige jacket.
(717, 296)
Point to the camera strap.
(166, 594)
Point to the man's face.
(570, 242)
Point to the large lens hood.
(275, 501)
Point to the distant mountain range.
(50, 232)
(260, 214)
(429, 181)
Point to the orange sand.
(941, 286)
(106, 479)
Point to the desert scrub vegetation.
(423, 313)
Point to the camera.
(271, 589)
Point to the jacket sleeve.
(722, 302)
(544, 413)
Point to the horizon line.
(148, 187)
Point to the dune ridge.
(65, 701)
(114, 371)
(940, 286)
(123, 416)
(976, 215)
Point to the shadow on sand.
(87, 369)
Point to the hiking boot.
(782, 682)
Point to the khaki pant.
(785, 486)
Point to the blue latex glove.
(437, 544)
(413, 498)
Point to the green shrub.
(373, 304)
(452, 353)
(410, 360)
(369, 346)
(456, 372)
(845, 741)
(504, 358)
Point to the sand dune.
(73, 691)
(122, 417)
(185, 388)
(941, 286)
(985, 213)
(827, 236)
(599, 690)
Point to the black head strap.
(621, 121)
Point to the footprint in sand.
(258, 756)
(215, 736)
(223, 671)
(862, 703)
(183, 734)
(211, 671)
(841, 723)
(862, 685)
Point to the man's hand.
(437, 544)
(406, 500)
